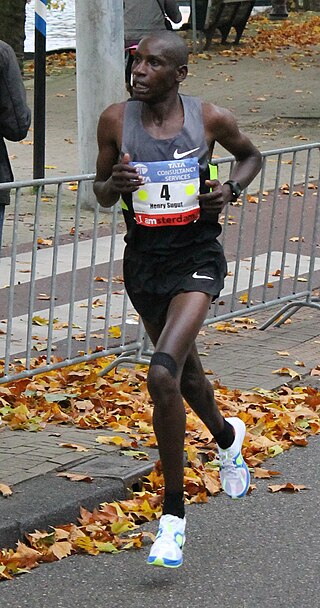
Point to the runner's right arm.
(113, 177)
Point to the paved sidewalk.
(30, 461)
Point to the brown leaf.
(286, 371)
(61, 549)
(76, 477)
(5, 490)
(287, 487)
(74, 446)
(260, 473)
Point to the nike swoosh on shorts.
(177, 155)
(201, 276)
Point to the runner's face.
(154, 74)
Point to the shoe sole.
(162, 564)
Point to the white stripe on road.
(61, 314)
(19, 324)
(64, 259)
(259, 270)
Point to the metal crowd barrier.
(55, 292)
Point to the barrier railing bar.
(239, 248)
(272, 221)
(12, 279)
(53, 282)
(286, 228)
(91, 278)
(315, 235)
(240, 312)
(110, 274)
(33, 274)
(74, 269)
(47, 181)
(289, 310)
(301, 224)
(256, 231)
(28, 373)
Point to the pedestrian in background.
(154, 152)
(15, 117)
(141, 18)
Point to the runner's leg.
(198, 392)
(185, 317)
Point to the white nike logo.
(201, 276)
(177, 155)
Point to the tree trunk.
(12, 22)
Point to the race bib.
(168, 196)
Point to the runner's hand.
(213, 202)
(125, 177)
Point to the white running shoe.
(234, 473)
(166, 550)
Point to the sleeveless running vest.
(164, 214)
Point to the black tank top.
(142, 147)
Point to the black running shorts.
(152, 281)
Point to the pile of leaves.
(120, 402)
(301, 32)
(295, 32)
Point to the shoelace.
(227, 462)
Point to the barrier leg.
(288, 311)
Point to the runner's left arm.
(221, 126)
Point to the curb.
(47, 500)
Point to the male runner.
(154, 152)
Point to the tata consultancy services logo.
(141, 168)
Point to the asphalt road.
(259, 552)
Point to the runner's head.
(159, 66)
(173, 46)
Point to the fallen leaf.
(76, 477)
(5, 490)
(287, 371)
(116, 440)
(260, 473)
(74, 446)
(287, 487)
(114, 331)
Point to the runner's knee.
(166, 361)
(162, 374)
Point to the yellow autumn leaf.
(73, 186)
(114, 331)
(105, 547)
(287, 371)
(115, 440)
(244, 298)
(37, 320)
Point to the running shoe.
(166, 550)
(234, 473)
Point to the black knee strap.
(166, 361)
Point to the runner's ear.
(182, 72)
